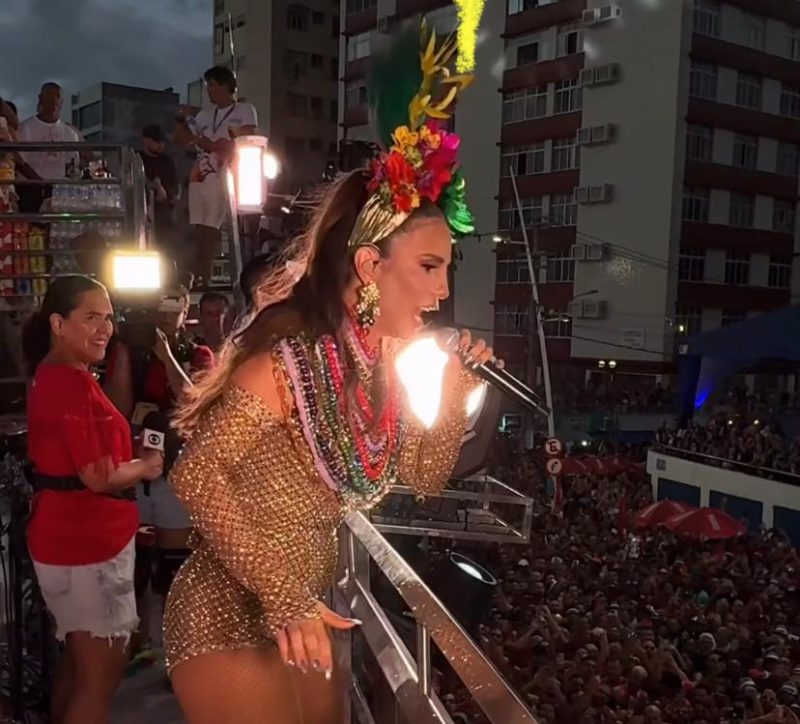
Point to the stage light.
(247, 183)
(473, 569)
(135, 270)
(272, 167)
(420, 367)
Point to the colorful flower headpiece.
(408, 101)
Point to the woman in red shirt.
(84, 518)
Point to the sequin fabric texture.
(266, 524)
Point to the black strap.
(68, 483)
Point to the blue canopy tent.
(712, 356)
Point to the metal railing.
(757, 471)
(409, 678)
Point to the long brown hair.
(304, 292)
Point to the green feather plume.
(453, 203)
(394, 80)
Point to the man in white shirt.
(46, 126)
(212, 131)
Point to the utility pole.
(530, 252)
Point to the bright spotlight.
(272, 167)
(249, 170)
(420, 367)
(135, 270)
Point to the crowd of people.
(596, 622)
(603, 393)
(737, 439)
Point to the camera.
(137, 327)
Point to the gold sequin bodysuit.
(266, 524)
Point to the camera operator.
(146, 372)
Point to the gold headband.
(374, 223)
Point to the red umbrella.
(705, 524)
(659, 512)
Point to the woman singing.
(82, 527)
(302, 421)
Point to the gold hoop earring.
(367, 309)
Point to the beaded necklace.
(354, 448)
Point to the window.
(754, 31)
(563, 210)
(317, 61)
(355, 6)
(295, 147)
(787, 162)
(520, 6)
(732, 316)
(297, 17)
(512, 271)
(358, 46)
(557, 325)
(355, 93)
(780, 275)
(219, 7)
(695, 204)
(317, 18)
(91, 115)
(742, 210)
(569, 40)
(790, 101)
(560, 269)
(315, 145)
(524, 105)
(316, 106)
(334, 116)
(295, 63)
(691, 267)
(511, 320)
(794, 43)
(689, 320)
(568, 96)
(737, 269)
(523, 159)
(699, 143)
(566, 154)
(220, 33)
(749, 91)
(296, 105)
(532, 212)
(745, 151)
(707, 18)
(527, 54)
(783, 213)
(703, 80)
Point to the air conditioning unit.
(582, 195)
(607, 73)
(589, 16)
(595, 194)
(575, 310)
(578, 252)
(586, 77)
(596, 252)
(607, 13)
(594, 309)
(584, 136)
(603, 134)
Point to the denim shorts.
(97, 598)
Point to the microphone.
(449, 338)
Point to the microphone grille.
(448, 338)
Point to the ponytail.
(63, 295)
(35, 340)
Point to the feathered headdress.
(411, 90)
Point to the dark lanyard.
(216, 126)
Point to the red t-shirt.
(71, 423)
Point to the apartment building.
(286, 59)
(655, 146)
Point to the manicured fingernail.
(290, 663)
(328, 674)
(357, 621)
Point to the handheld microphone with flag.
(449, 338)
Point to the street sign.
(553, 446)
(553, 466)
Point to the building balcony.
(708, 295)
(553, 239)
(540, 184)
(360, 22)
(732, 55)
(406, 8)
(739, 180)
(355, 116)
(546, 16)
(356, 69)
(701, 236)
(535, 130)
(743, 120)
(534, 75)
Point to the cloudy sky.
(150, 43)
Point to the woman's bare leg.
(63, 684)
(253, 686)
